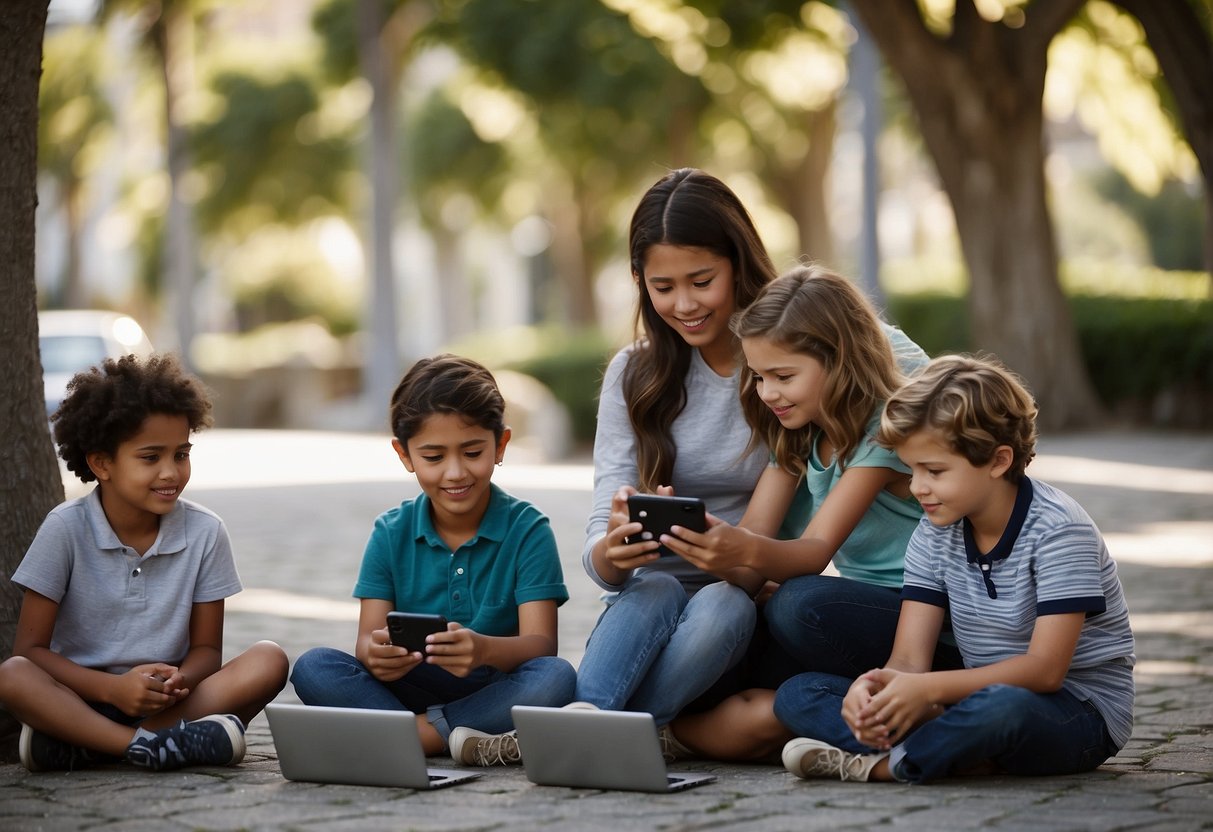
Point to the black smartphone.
(409, 629)
(657, 513)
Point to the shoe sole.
(25, 748)
(235, 733)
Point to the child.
(821, 364)
(463, 549)
(669, 420)
(1036, 608)
(119, 645)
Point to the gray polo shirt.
(118, 609)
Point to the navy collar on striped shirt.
(985, 562)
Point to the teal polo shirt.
(512, 559)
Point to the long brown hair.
(693, 209)
(815, 312)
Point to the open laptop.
(354, 746)
(596, 750)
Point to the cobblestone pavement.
(299, 508)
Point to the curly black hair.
(107, 405)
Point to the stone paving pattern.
(299, 532)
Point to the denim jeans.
(480, 700)
(654, 649)
(1026, 733)
(829, 624)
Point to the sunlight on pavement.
(292, 605)
(271, 458)
(1086, 471)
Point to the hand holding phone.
(657, 513)
(409, 629)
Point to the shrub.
(1136, 349)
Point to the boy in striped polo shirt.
(1036, 607)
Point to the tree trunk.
(381, 333)
(29, 477)
(801, 189)
(977, 94)
(171, 37)
(1184, 49)
(75, 293)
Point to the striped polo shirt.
(1050, 560)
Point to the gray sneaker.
(808, 758)
(476, 748)
(42, 752)
(215, 740)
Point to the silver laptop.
(596, 750)
(354, 746)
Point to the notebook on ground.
(354, 746)
(596, 750)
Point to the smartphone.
(409, 629)
(657, 513)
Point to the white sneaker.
(470, 747)
(813, 758)
(580, 706)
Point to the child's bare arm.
(461, 650)
(205, 655)
(769, 504)
(918, 628)
(138, 692)
(729, 547)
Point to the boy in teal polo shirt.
(463, 549)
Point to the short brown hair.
(446, 384)
(975, 403)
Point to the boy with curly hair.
(118, 652)
(1037, 609)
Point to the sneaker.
(476, 748)
(580, 706)
(671, 748)
(812, 758)
(42, 752)
(215, 740)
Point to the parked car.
(72, 340)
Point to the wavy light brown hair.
(812, 311)
(975, 404)
(691, 209)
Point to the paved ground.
(299, 506)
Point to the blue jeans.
(480, 700)
(835, 625)
(654, 649)
(1025, 733)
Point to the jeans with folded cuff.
(655, 649)
(480, 700)
(1022, 732)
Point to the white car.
(72, 340)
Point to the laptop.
(354, 746)
(596, 750)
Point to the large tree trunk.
(172, 36)
(1182, 44)
(977, 94)
(381, 335)
(29, 477)
(801, 188)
